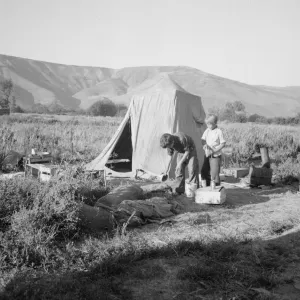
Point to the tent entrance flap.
(120, 159)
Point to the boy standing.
(184, 146)
(213, 142)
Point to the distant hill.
(79, 86)
(108, 88)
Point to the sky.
(252, 41)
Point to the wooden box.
(40, 171)
(222, 177)
(208, 196)
(38, 159)
(236, 172)
(260, 176)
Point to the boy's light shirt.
(213, 138)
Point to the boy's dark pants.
(193, 170)
(211, 169)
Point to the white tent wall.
(198, 112)
(149, 122)
(187, 107)
(185, 111)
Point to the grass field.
(82, 138)
(246, 249)
(283, 143)
(70, 138)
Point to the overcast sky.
(253, 41)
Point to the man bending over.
(184, 146)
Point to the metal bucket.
(190, 189)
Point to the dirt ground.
(158, 279)
(245, 210)
(263, 226)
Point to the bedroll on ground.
(117, 195)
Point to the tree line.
(235, 112)
(103, 107)
(7, 97)
(231, 111)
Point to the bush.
(16, 109)
(78, 112)
(235, 112)
(239, 117)
(254, 118)
(56, 108)
(35, 216)
(121, 110)
(53, 215)
(103, 107)
(15, 193)
(6, 93)
(38, 109)
(231, 111)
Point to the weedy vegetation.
(283, 143)
(47, 252)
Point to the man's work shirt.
(214, 137)
(182, 144)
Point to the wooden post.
(265, 159)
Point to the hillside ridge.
(77, 86)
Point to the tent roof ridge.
(163, 81)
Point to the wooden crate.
(38, 159)
(41, 171)
(208, 196)
(236, 172)
(260, 176)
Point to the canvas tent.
(158, 106)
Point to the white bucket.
(190, 189)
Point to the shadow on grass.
(244, 270)
(238, 196)
(96, 283)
